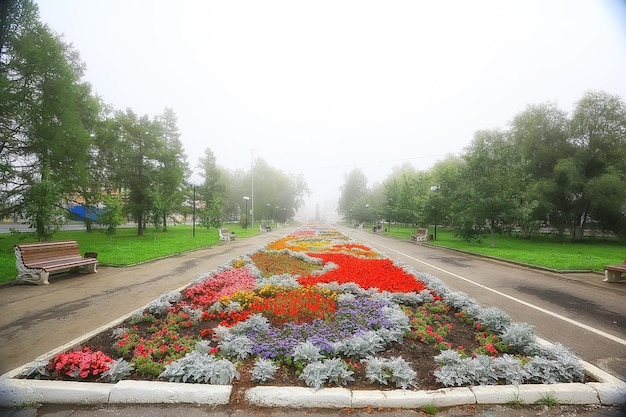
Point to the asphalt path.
(578, 310)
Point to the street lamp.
(193, 227)
(246, 198)
(435, 189)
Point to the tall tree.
(354, 187)
(174, 169)
(139, 152)
(494, 173)
(599, 135)
(211, 190)
(404, 194)
(277, 195)
(540, 135)
(44, 139)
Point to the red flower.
(367, 273)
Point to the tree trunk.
(40, 227)
(164, 222)
(577, 233)
(140, 225)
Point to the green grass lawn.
(125, 248)
(545, 251)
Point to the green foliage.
(549, 399)
(199, 366)
(355, 187)
(318, 373)
(494, 319)
(547, 169)
(236, 347)
(118, 370)
(264, 370)
(44, 109)
(360, 345)
(395, 370)
(307, 352)
(36, 369)
(112, 216)
(42, 209)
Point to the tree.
(598, 129)
(211, 190)
(540, 135)
(405, 196)
(139, 150)
(494, 175)
(168, 190)
(277, 196)
(235, 185)
(448, 205)
(355, 186)
(111, 216)
(45, 142)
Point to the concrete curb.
(17, 392)
(151, 392)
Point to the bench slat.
(58, 267)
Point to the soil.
(419, 355)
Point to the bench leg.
(613, 276)
(88, 269)
(34, 277)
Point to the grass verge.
(546, 251)
(125, 248)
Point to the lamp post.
(435, 189)
(252, 186)
(193, 224)
(246, 198)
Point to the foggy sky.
(321, 87)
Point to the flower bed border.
(609, 390)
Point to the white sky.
(321, 87)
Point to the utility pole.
(252, 193)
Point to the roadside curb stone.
(16, 392)
(151, 392)
(445, 397)
(299, 397)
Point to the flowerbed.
(317, 309)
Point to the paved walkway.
(38, 319)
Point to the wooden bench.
(226, 235)
(420, 236)
(615, 273)
(36, 261)
(264, 228)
